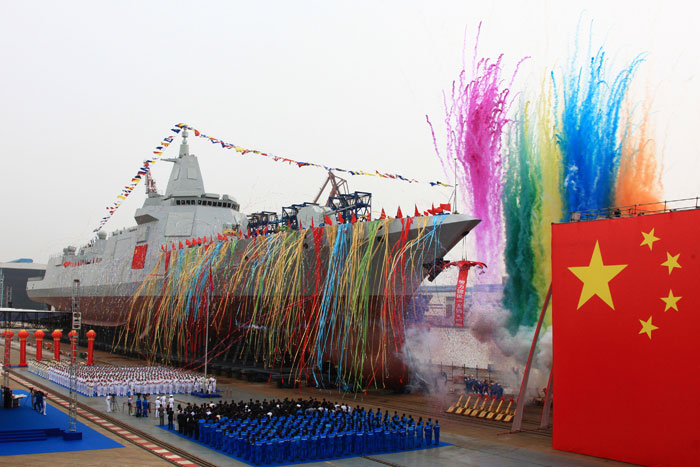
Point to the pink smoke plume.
(475, 120)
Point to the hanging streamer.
(273, 300)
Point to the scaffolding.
(358, 203)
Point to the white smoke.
(483, 342)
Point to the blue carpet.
(25, 418)
(239, 459)
(206, 395)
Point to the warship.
(105, 274)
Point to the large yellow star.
(649, 239)
(671, 301)
(595, 278)
(671, 262)
(647, 327)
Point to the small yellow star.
(649, 239)
(596, 277)
(647, 327)
(671, 262)
(671, 301)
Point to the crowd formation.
(102, 380)
(486, 387)
(300, 430)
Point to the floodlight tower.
(73, 386)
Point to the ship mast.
(184, 147)
(150, 184)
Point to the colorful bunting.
(165, 142)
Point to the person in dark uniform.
(7, 397)
(170, 419)
(180, 420)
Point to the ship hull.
(120, 307)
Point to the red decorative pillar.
(23, 334)
(73, 337)
(8, 345)
(57, 344)
(39, 337)
(91, 345)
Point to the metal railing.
(635, 210)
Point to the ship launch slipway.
(317, 287)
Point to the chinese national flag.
(626, 316)
(139, 259)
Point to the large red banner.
(461, 289)
(626, 317)
(459, 295)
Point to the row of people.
(302, 430)
(101, 380)
(485, 387)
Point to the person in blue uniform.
(419, 433)
(436, 433)
(402, 437)
(428, 431)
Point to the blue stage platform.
(25, 418)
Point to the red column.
(39, 337)
(23, 334)
(8, 346)
(91, 345)
(73, 337)
(57, 344)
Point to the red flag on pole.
(383, 215)
(399, 214)
(340, 218)
(625, 304)
(327, 220)
(416, 213)
(353, 219)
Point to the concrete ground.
(473, 443)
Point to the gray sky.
(89, 88)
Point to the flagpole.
(206, 331)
